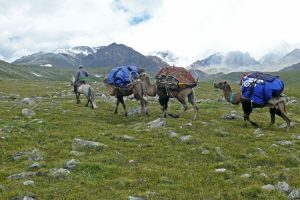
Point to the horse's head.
(221, 85)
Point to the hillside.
(22, 72)
(295, 68)
(112, 55)
(207, 158)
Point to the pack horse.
(87, 91)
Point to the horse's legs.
(77, 98)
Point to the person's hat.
(80, 66)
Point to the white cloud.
(189, 28)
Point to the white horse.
(87, 90)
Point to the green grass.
(163, 167)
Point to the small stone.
(232, 116)
(27, 101)
(35, 166)
(283, 186)
(185, 138)
(246, 175)
(77, 153)
(28, 182)
(84, 144)
(297, 137)
(263, 175)
(258, 131)
(205, 152)
(293, 101)
(21, 175)
(71, 164)
(127, 138)
(268, 187)
(285, 143)
(135, 198)
(187, 124)
(28, 112)
(60, 173)
(28, 198)
(36, 155)
(262, 152)
(295, 194)
(132, 162)
(220, 153)
(274, 145)
(172, 134)
(220, 170)
(157, 123)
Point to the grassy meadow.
(139, 161)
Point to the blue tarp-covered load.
(122, 76)
(260, 88)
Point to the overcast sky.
(189, 28)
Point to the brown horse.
(165, 94)
(277, 104)
(134, 88)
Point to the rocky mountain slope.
(105, 56)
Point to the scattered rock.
(295, 194)
(285, 143)
(71, 164)
(36, 155)
(35, 166)
(283, 186)
(262, 152)
(28, 198)
(28, 182)
(85, 144)
(205, 152)
(157, 123)
(232, 116)
(284, 125)
(172, 133)
(221, 170)
(258, 131)
(246, 175)
(27, 101)
(28, 112)
(186, 139)
(135, 198)
(21, 175)
(19, 155)
(263, 175)
(274, 145)
(127, 138)
(297, 137)
(77, 153)
(187, 124)
(268, 187)
(60, 173)
(133, 111)
(220, 153)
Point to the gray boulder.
(283, 186)
(28, 112)
(27, 101)
(60, 173)
(85, 144)
(157, 123)
(268, 187)
(21, 175)
(295, 194)
(71, 164)
(28, 182)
